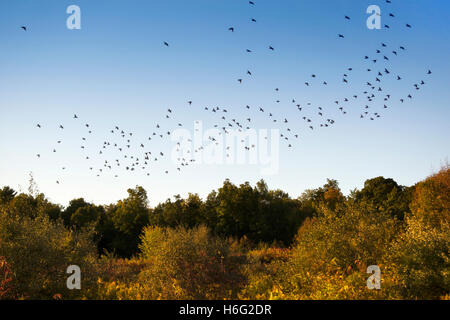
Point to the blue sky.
(116, 71)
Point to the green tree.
(386, 196)
(121, 225)
(7, 195)
(86, 215)
(74, 205)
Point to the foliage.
(6, 286)
(386, 196)
(188, 264)
(418, 263)
(121, 225)
(240, 242)
(39, 250)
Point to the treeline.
(257, 213)
(239, 242)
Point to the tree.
(328, 198)
(74, 205)
(121, 225)
(386, 196)
(7, 195)
(431, 199)
(86, 215)
(418, 262)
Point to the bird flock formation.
(137, 154)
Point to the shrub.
(264, 272)
(418, 263)
(330, 256)
(39, 250)
(189, 264)
(6, 288)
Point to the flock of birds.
(136, 155)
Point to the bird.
(271, 48)
(231, 29)
(166, 44)
(340, 36)
(24, 28)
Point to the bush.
(189, 264)
(418, 263)
(118, 280)
(38, 252)
(330, 256)
(6, 287)
(264, 272)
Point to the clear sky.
(116, 71)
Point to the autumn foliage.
(240, 242)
